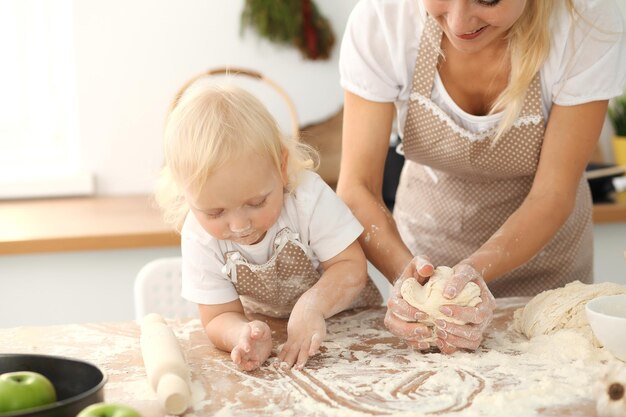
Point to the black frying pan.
(78, 383)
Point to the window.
(39, 149)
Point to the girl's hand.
(451, 336)
(401, 317)
(254, 346)
(305, 332)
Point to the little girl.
(260, 232)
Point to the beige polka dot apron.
(274, 287)
(457, 187)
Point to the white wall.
(132, 56)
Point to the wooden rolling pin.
(165, 364)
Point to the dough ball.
(562, 308)
(429, 297)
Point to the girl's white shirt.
(586, 62)
(322, 220)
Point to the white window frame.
(39, 146)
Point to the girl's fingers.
(235, 355)
(303, 355)
(316, 342)
(290, 356)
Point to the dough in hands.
(429, 297)
(562, 308)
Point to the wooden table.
(362, 371)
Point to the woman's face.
(472, 25)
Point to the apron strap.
(428, 56)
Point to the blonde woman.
(261, 233)
(499, 105)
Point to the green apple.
(25, 389)
(108, 410)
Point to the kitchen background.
(128, 60)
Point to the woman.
(499, 104)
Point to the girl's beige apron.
(456, 188)
(274, 287)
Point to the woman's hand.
(451, 336)
(401, 317)
(306, 330)
(254, 346)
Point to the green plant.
(617, 114)
(291, 22)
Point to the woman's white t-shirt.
(322, 220)
(586, 62)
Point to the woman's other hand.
(451, 336)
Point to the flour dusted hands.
(254, 346)
(401, 317)
(451, 336)
(306, 330)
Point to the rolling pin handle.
(173, 393)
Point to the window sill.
(86, 223)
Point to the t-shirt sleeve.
(366, 66)
(203, 281)
(593, 63)
(331, 225)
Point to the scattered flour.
(362, 370)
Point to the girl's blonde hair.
(210, 124)
(529, 44)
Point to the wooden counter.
(97, 223)
(362, 370)
(92, 223)
(609, 213)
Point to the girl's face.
(241, 200)
(471, 25)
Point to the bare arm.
(250, 342)
(343, 279)
(366, 132)
(570, 138)
(223, 323)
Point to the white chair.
(157, 290)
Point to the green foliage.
(617, 114)
(284, 22)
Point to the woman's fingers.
(406, 330)
(424, 268)
(445, 347)
(404, 311)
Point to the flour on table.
(362, 370)
(562, 308)
(429, 297)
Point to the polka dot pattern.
(455, 193)
(274, 287)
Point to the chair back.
(157, 290)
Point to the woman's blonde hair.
(208, 125)
(529, 44)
